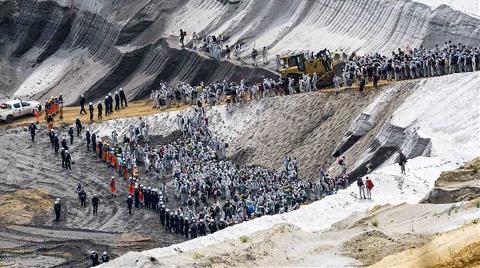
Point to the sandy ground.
(70, 114)
(355, 241)
(32, 177)
(458, 248)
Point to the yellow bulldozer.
(296, 65)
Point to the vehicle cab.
(12, 109)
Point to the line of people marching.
(117, 102)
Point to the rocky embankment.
(462, 184)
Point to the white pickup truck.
(17, 108)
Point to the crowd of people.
(410, 63)
(212, 192)
(358, 70)
(215, 93)
(209, 192)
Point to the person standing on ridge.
(123, 98)
(264, 55)
(254, 55)
(99, 110)
(91, 109)
(182, 37)
(402, 160)
(361, 188)
(117, 101)
(82, 105)
(369, 186)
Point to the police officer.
(186, 227)
(82, 105)
(94, 142)
(99, 110)
(51, 135)
(95, 201)
(129, 204)
(110, 103)
(62, 154)
(78, 125)
(162, 215)
(57, 207)
(167, 219)
(88, 138)
(123, 98)
(117, 101)
(193, 230)
(56, 144)
(105, 257)
(91, 109)
(107, 105)
(32, 128)
(83, 198)
(64, 143)
(94, 258)
(68, 160)
(70, 132)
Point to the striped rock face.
(95, 46)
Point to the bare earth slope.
(96, 46)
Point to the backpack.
(359, 182)
(340, 161)
(369, 184)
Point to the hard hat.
(90, 103)
(104, 253)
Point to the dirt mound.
(457, 248)
(465, 258)
(23, 206)
(372, 246)
(457, 185)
